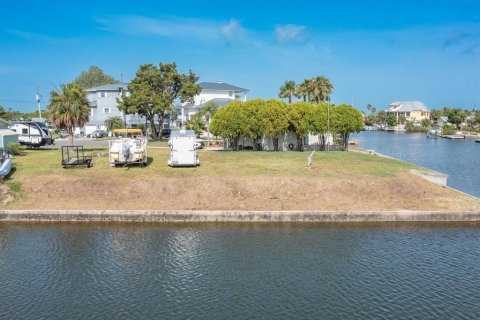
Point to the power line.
(22, 101)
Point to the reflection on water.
(460, 159)
(282, 271)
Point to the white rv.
(182, 149)
(32, 133)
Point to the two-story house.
(414, 111)
(219, 92)
(103, 104)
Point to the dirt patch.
(5, 195)
(187, 192)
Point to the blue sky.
(372, 51)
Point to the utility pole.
(38, 97)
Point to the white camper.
(182, 149)
(32, 133)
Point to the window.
(407, 114)
(102, 94)
(106, 110)
(24, 131)
(230, 93)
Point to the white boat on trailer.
(129, 147)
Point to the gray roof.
(407, 106)
(109, 87)
(220, 102)
(220, 86)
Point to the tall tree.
(155, 89)
(69, 108)
(229, 122)
(302, 90)
(208, 111)
(93, 77)
(274, 121)
(320, 89)
(112, 123)
(346, 120)
(3, 113)
(288, 90)
(301, 118)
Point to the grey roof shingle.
(220, 102)
(109, 87)
(407, 106)
(221, 86)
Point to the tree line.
(456, 117)
(272, 118)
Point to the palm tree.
(69, 108)
(112, 123)
(302, 90)
(288, 90)
(320, 89)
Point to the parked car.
(199, 144)
(63, 134)
(98, 134)
(166, 133)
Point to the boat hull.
(6, 167)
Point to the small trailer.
(75, 156)
(182, 149)
(32, 133)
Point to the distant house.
(415, 111)
(219, 92)
(441, 121)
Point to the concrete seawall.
(233, 216)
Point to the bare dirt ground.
(220, 192)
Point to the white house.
(103, 104)
(219, 92)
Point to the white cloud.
(33, 36)
(7, 69)
(289, 32)
(175, 27)
(233, 31)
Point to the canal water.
(231, 271)
(460, 159)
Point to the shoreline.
(164, 216)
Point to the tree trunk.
(70, 135)
(299, 143)
(304, 98)
(322, 139)
(289, 98)
(154, 129)
(235, 143)
(161, 118)
(275, 144)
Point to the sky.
(374, 52)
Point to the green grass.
(38, 162)
(13, 186)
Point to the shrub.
(14, 148)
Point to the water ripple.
(84, 271)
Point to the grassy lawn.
(227, 180)
(37, 162)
